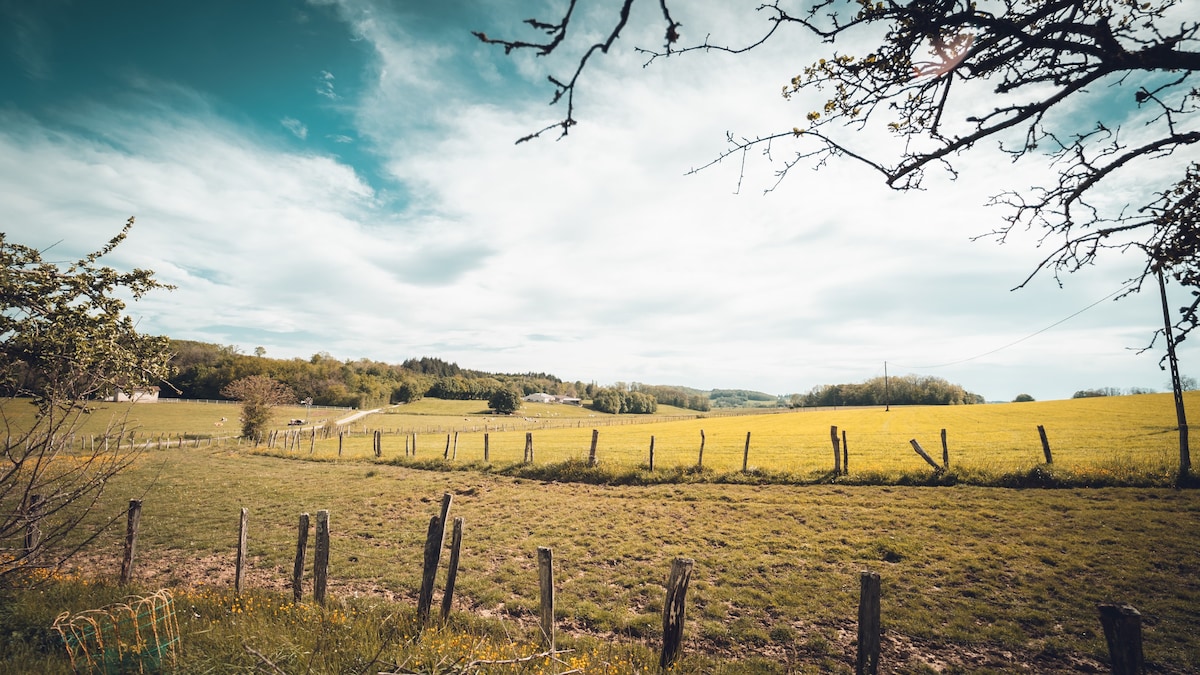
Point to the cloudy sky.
(341, 176)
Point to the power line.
(1031, 335)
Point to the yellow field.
(1116, 432)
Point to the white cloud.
(295, 126)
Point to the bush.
(1023, 398)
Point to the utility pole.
(1185, 455)
(887, 391)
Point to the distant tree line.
(1111, 391)
(899, 390)
(203, 370)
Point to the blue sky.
(340, 176)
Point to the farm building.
(542, 397)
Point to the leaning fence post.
(746, 454)
(131, 531)
(673, 610)
(546, 588)
(1045, 444)
(592, 451)
(452, 570)
(240, 565)
(1123, 633)
(321, 557)
(924, 455)
(298, 567)
(700, 458)
(868, 624)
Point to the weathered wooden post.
(868, 624)
(452, 570)
(454, 450)
(131, 532)
(414, 444)
(700, 458)
(321, 557)
(845, 454)
(298, 567)
(33, 525)
(925, 456)
(592, 451)
(945, 452)
(837, 450)
(486, 456)
(528, 447)
(446, 452)
(240, 565)
(433, 552)
(312, 443)
(546, 591)
(746, 454)
(341, 438)
(1045, 444)
(433, 555)
(1123, 633)
(673, 610)
(652, 453)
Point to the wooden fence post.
(312, 443)
(433, 555)
(924, 455)
(528, 447)
(298, 567)
(446, 452)
(131, 531)
(433, 551)
(240, 565)
(1045, 444)
(868, 624)
(33, 525)
(746, 454)
(454, 451)
(837, 451)
(546, 588)
(945, 452)
(700, 458)
(1123, 633)
(341, 438)
(845, 454)
(321, 557)
(452, 570)
(592, 451)
(673, 610)
(486, 458)
(652, 453)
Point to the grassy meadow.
(975, 579)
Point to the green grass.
(967, 571)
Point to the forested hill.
(202, 370)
